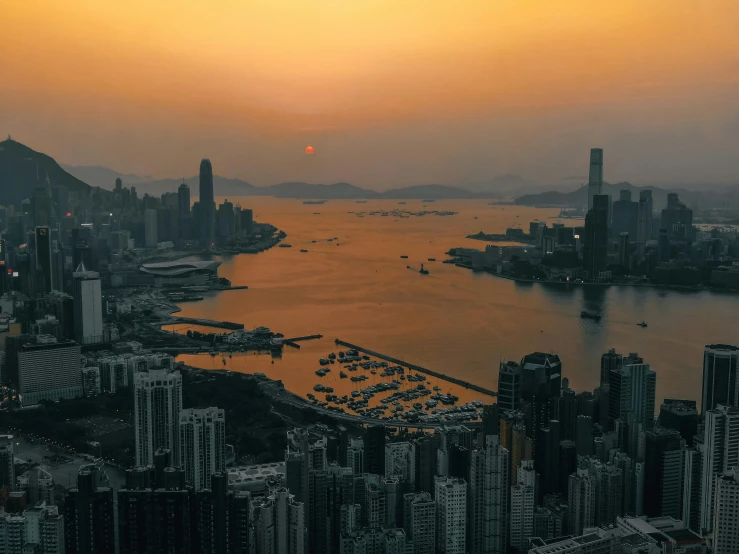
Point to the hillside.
(21, 168)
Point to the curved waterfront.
(453, 320)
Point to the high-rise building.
(720, 376)
(663, 471)
(207, 201)
(157, 407)
(7, 464)
(279, 524)
(625, 216)
(425, 448)
(88, 306)
(584, 436)
(49, 370)
(644, 223)
(523, 501)
(374, 449)
(488, 498)
(680, 415)
(720, 452)
(44, 264)
(677, 219)
(183, 200)
(632, 390)
(595, 175)
(451, 515)
(595, 253)
(624, 250)
(581, 501)
(726, 519)
(38, 529)
(150, 229)
(400, 461)
(419, 521)
(509, 386)
(203, 445)
(89, 523)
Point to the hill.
(103, 177)
(22, 169)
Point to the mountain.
(22, 169)
(103, 177)
(720, 197)
(504, 186)
(327, 192)
(436, 192)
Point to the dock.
(175, 319)
(419, 369)
(295, 340)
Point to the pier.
(175, 320)
(419, 369)
(295, 340)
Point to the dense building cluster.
(548, 470)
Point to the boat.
(342, 375)
(404, 257)
(303, 250)
(432, 259)
(423, 270)
(589, 315)
(286, 245)
(311, 202)
(642, 324)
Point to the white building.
(49, 370)
(489, 489)
(157, 407)
(279, 524)
(419, 517)
(523, 502)
(726, 513)
(451, 515)
(88, 306)
(203, 445)
(150, 228)
(720, 452)
(39, 530)
(91, 380)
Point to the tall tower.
(183, 200)
(451, 520)
(88, 306)
(595, 176)
(44, 274)
(203, 443)
(523, 501)
(488, 501)
(157, 406)
(207, 201)
(725, 530)
(581, 500)
(720, 379)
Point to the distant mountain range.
(22, 169)
(718, 197)
(224, 186)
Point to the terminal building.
(176, 273)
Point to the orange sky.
(390, 93)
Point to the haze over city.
(388, 94)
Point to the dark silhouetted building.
(720, 383)
(663, 473)
(625, 216)
(374, 450)
(680, 415)
(207, 202)
(183, 200)
(89, 525)
(595, 252)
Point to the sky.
(389, 93)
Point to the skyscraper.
(44, 265)
(725, 528)
(49, 370)
(581, 501)
(419, 517)
(663, 473)
(625, 216)
(157, 407)
(509, 386)
(203, 444)
(595, 175)
(88, 306)
(644, 223)
(595, 252)
(720, 452)
(488, 498)
(150, 228)
(207, 201)
(7, 463)
(451, 512)
(183, 200)
(523, 501)
(632, 389)
(279, 524)
(89, 524)
(720, 379)
(374, 449)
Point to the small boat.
(423, 270)
(404, 257)
(303, 250)
(589, 315)
(223, 360)
(642, 324)
(285, 245)
(432, 259)
(342, 375)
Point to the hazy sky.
(389, 92)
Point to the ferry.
(589, 315)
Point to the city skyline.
(388, 96)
